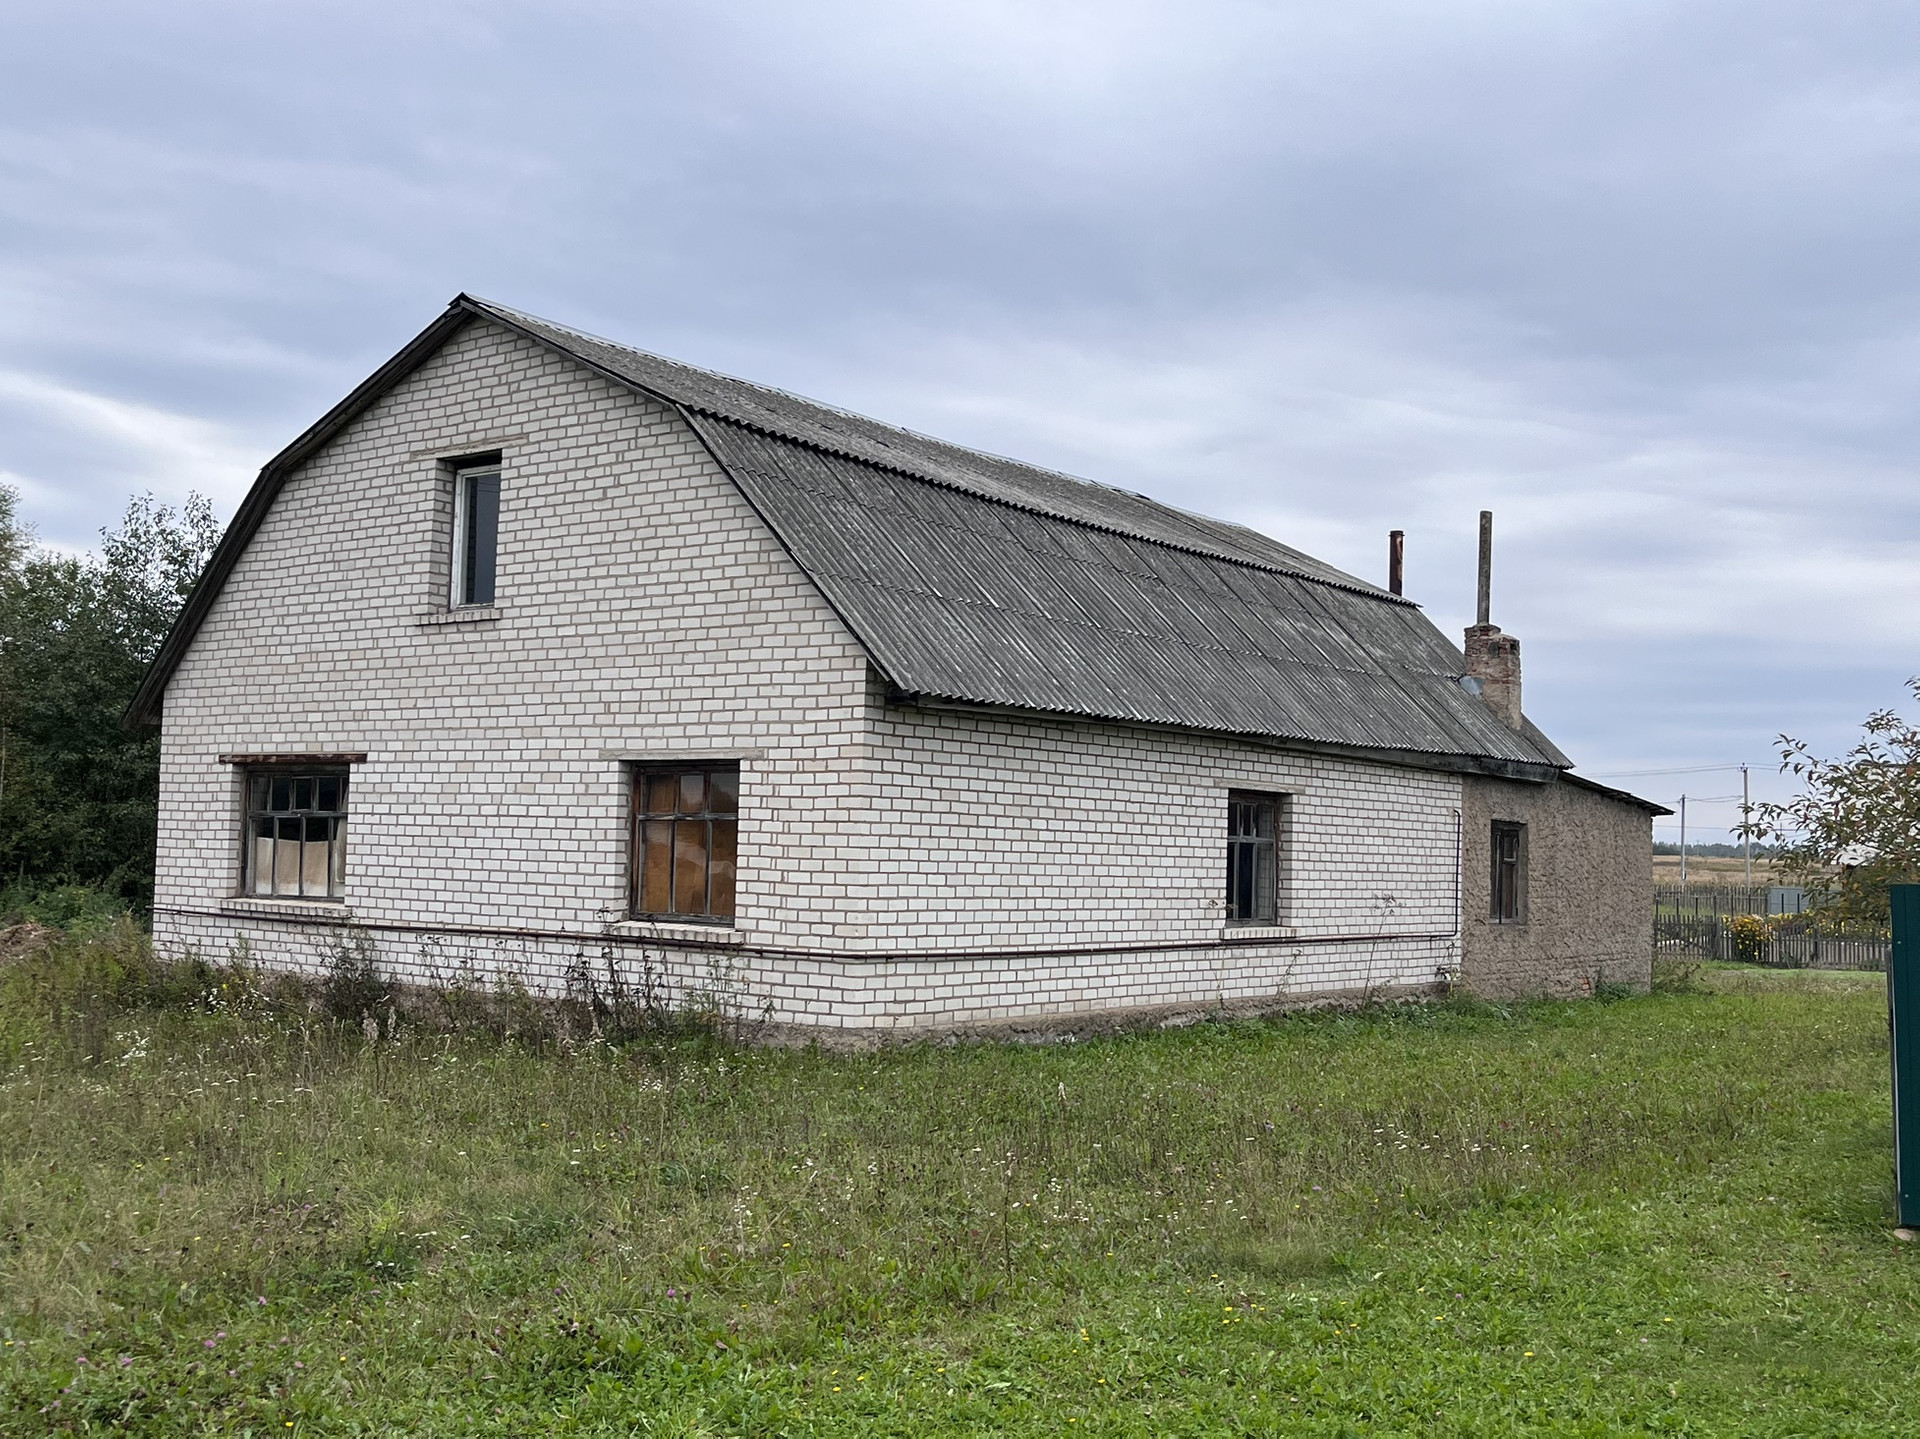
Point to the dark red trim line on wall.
(562, 936)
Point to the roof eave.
(1493, 766)
(1623, 796)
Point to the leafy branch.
(1856, 817)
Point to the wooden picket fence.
(1700, 924)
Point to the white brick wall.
(898, 866)
(1026, 832)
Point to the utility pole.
(1746, 820)
(1683, 843)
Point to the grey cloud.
(1637, 275)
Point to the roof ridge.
(761, 385)
(1245, 562)
(903, 464)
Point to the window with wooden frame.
(1509, 904)
(686, 828)
(295, 842)
(476, 529)
(1254, 831)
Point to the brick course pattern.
(900, 866)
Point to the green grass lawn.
(1665, 1214)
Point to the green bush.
(59, 906)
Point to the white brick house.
(538, 650)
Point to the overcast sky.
(1639, 277)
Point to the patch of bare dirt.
(17, 941)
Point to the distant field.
(1705, 871)
(1661, 1214)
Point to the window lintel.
(303, 757)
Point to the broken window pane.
(337, 881)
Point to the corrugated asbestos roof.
(980, 580)
(965, 599)
(793, 417)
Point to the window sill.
(720, 933)
(333, 910)
(1257, 933)
(465, 615)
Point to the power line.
(1686, 769)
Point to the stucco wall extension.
(1588, 914)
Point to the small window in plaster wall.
(1509, 872)
(476, 529)
(1254, 832)
(686, 826)
(295, 845)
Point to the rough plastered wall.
(1587, 899)
(641, 608)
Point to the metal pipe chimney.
(1483, 612)
(1396, 560)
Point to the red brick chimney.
(1493, 659)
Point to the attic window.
(476, 529)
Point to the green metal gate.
(1903, 1020)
